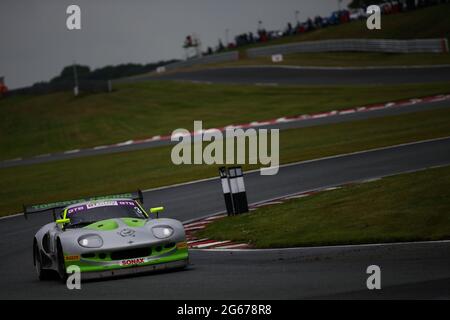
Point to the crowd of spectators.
(337, 17)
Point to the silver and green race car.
(107, 236)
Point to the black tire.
(42, 274)
(61, 265)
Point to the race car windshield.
(97, 211)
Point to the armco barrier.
(362, 45)
(214, 58)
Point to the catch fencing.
(355, 45)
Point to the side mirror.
(62, 221)
(156, 210)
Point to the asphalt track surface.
(311, 76)
(338, 118)
(420, 270)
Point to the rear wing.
(37, 208)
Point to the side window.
(138, 211)
(46, 242)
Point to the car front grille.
(131, 253)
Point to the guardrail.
(362, 45)
(214, 58)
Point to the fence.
(361, 45)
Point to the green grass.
(406, 207)
(345, 59)
(75, 178)
(32, 125)
(431, 22)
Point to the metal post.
(238, 192)
(242, 194)
(226, 36)
(75, 77)
(226, 190)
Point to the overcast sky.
(36, 45)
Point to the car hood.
(121, 233)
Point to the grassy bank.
(153, 167)
(32, 125)
(406, 207)
(431, 22)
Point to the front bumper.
(133, 270)
(94, 267)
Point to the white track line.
(99, 147)
(71, 151)
(232, 246)
(43, 155)
(125, 143)
(352, 246)
(216, 217)
(333, 188)
(206, 245)
(13, 160)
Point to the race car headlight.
(90, 241)
(162, 232)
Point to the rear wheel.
(41, 273)
(61, 264)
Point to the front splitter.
(133, 270)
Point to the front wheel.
(41, 273)
(61, 264)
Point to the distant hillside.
(89, 80)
